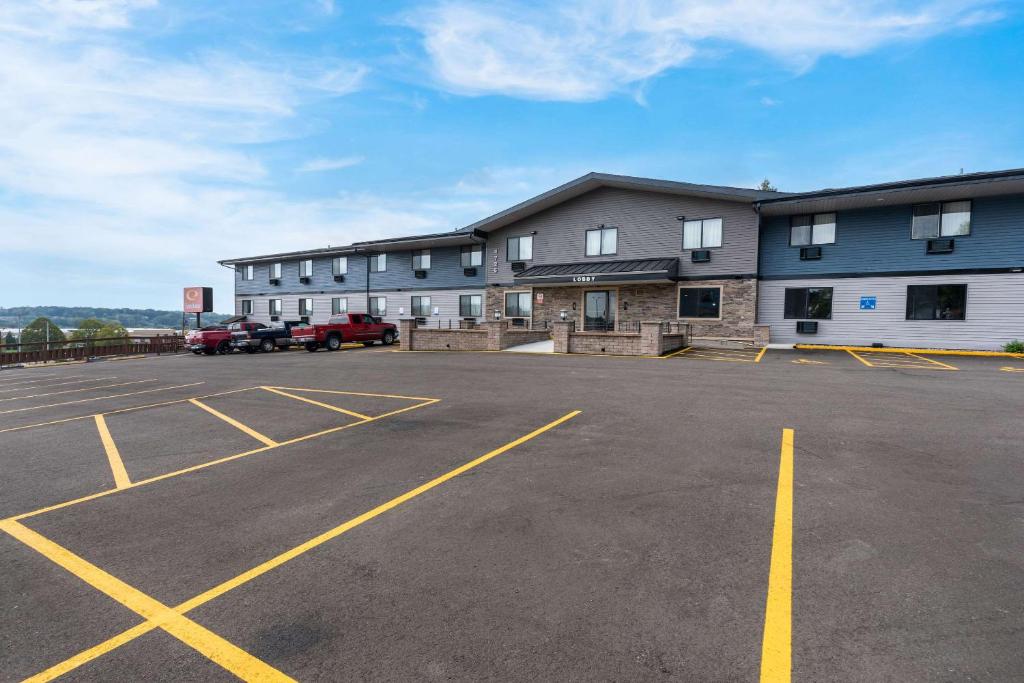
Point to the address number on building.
(584, 278)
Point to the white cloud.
(770, 102)
(314, 165)
(584, 50)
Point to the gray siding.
(995, 312)
(648, 227)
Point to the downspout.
(757, 265)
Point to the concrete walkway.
(546, 346)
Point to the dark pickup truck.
(266, 338)
(216, 338)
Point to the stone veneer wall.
(490, 336)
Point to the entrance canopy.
(640, 270)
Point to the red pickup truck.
(344, 329)
(216, 338)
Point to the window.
(941, 220)
(275, 271)
(378, 263)
(936, 302)
(378, 306)
(817, 229)
(700, 302)
(246, 306)
(518, 305)
(472, 255)
(306, 268)
(421, 306)
(274, 306)
(421, 259)
(305, 307)
(339, 266)
(808, 303)
(471, 305)
(602, 241)
(702, 234)
(519, 248)
(246, 272)
(339, 306)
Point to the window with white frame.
(518, 305)
(704, 233)
(602, 241)
(305, 306)
(472, 255)
(246, 306)
(339, 266)
(274, 306)
(306, 268)
(519, 248)
(339, 305)
(275, 271)
(421, 259)
(948, 219)
(378, 306)
(471, 305)
(247, 272)
(817, 229)
(420, 306)
(378, 263)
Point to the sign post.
(198, 300)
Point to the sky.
(143, 140)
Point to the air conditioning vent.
(304, 319)
(274, 281)
(274, 318)
(339, 278)
(420, 274)
(939, 247)
(469, 272)
(304, 280)
(807, 327)
(810, 253)
(518, 266)
(700, 256)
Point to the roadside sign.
(198, 300)
(868, 303)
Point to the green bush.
(1016, 346)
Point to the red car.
(216, 338)
(344, 329)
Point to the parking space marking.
(776, 648)
(73, 391)
(231, 657)
(98, 398)
(724, 355)
(257, 571)
(933, 361)
(353, 393)
(1007, 368)
(760, 355)
(808, 361)
(121, 479)
(46, 384)
(350, 413)
(266, 440)
(897, 360)
(852, 353)
(676, 353)
(12, 381)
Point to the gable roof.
(593, 181)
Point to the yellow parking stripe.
(121, 479)
(74, 391)
(680, 351)
(760, 355)
(234, 423)
(350, 413)
(288, 555)
(935, 362)
(99, 398)
(777, 647)
(358, 393)
(852, 353)
(229, 656)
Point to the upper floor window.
(306, 268)
(808, 303)
(936, 302)
(817, 229)
(421, 259)
(339, 266)
(274, 306)
(519, 248)
(471, 305)
(421, 306)
(472, 255)
(305, 307)
(246, 306)
(378, 263)
(339, 306)
(275, 271)
(602, 241)
(246, 272)
(948, 219)
(702, 234)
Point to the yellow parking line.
(760, 355)
(358, 393)
(74, 391)
(288, 555)
(229, 656)
(676, 353)
(851, 352)
(350, 413)
(1010, 368)
(777, 647)
(46, 384)
(100, 398)
(944, 365)
(121, 479)
(234, 423)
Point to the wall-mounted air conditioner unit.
(274, 318)
(943, 246)
(518, 266)
(304, 319)
(469, 272)
(339, 278)
(807, 327)
(305, 280)
(420, 274)
(274, 281)
(701, 256)
(810, 253)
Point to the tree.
(87, 329)
(40, 331)
(111, 332)
(12, 341)
(766, 186)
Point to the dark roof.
(451, 237)
(661, 265)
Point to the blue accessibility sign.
(868, 303)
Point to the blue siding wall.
(878, 240)
(445, 271)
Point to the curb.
(934, 352)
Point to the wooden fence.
(13, 354)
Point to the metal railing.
(78, 349)
(446, 324)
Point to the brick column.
(495, 334)
(560, 333)
(405, 332)
(650, 339)
(762, 334)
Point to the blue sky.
(142, 140)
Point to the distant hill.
(69, 316)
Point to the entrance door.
(599, 311)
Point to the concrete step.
(723, 343)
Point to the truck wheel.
(389, 338)
(333, 342)
(198, 353)
(312, 346)
(209, 352)
(267, 345)
(223, 348)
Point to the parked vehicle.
(345, 329)
(265, 338)
(216, 338)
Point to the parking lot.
(385, 515)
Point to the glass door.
(599, 311)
